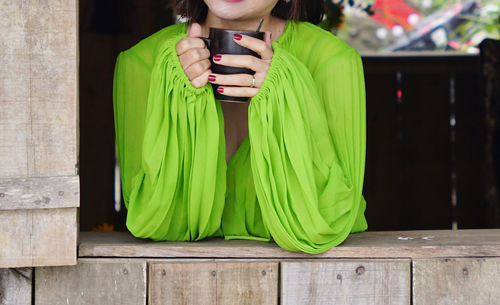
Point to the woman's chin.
(231, 11)
(230, 15)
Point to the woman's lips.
(234, 0)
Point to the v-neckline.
(238, 150)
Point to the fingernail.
(211, 78)
(237, 36)
(220, 90)
(217, 57)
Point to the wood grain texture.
(385, 244)
(92, 282)
(456, 281)
(343, 282)
(39, 193)
(38, 132)
(242, 283)
(38, 88)
(214, 282)
(45, 237)
(15, 286)
(183, 283)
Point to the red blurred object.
(394, 12)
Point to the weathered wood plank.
(15, 286)
(214, 282)
(183, 283)
(45, 237)
(377, 282)
(39, 193)
(456, 281)
(371, 244)
(38, 87)
(242, 283)
(38, 132)
(92, 281)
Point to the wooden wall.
(442, 281)
(422, 172)
(465, 281)
(39, 186)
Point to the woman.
(295, 152)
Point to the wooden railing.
(399, 267)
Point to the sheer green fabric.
(296, 178)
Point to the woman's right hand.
(193, 55)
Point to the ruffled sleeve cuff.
(168, 61)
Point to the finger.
(195, 30)
(197, 69)
(258, 46)
(243, 80)
(242, 61)
(188, 43)
(267, 39)
(193, 55)
(238, 91)
(201, 80)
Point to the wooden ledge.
(370, 244)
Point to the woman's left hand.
(241, 84)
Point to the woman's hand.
(241, 84)
(193, 55)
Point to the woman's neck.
(272, 24)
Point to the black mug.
(220, 41)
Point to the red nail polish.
(217, 57)
(237, 36)
(211, 78)
(220, 90)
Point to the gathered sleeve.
(345, 105)
(169, 136)
(307, 136)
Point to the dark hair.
(298, 10)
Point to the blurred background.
(436, 26)
(432, 71)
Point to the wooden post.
(39, 186)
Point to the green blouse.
(296, 178)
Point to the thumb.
(195, 30)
